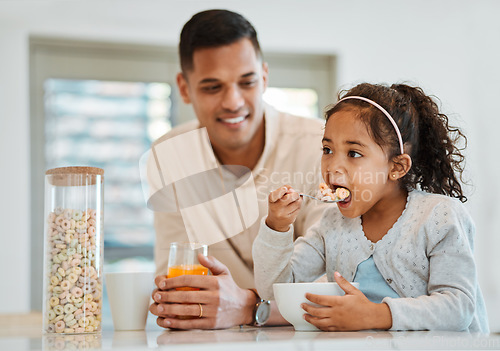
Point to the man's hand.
(353, 311)
(284, 205)
(223, 303)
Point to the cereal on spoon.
(326, 193)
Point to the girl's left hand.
(353, 311)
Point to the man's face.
(225, 88)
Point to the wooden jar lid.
(74, 176)
(76, 170)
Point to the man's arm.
(219, 301)
(224, 303)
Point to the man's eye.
(249, 83)
(210, 88)
(354, 154)
(326, 150)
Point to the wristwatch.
(261, 311)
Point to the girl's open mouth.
(342, 193)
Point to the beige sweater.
(291, 155)
(426, 258)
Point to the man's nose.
(233, 99)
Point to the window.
(300, 102)
(109, 125)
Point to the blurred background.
(93, 83)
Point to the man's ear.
(182, 84)
(265, 74)
(401, 165)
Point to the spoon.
(325, 201)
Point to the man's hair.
(213, 28)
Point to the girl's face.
(353, 160)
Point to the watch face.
(263, 312)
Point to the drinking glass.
(183, 260)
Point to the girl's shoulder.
(429, 202)
(439, 210)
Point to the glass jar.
(74, 247)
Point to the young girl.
(403, 233)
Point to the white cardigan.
(426, 257)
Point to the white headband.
(384, 112)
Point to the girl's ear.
(401, 164)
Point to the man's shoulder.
(178, 130)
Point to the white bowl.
(289, 297)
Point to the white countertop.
(24, 333)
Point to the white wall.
(451, 48)
(14, 172)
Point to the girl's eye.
(326, 150)
(354, 154)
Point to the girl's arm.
(278, 260)
(452, 286)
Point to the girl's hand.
(284, 206)
(353, 311)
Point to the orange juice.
(194, 269)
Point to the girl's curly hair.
(433, 145)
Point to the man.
(224, 77)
